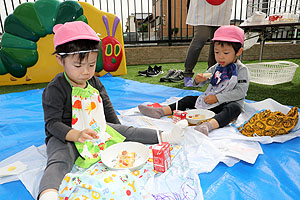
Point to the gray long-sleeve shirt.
(57, 105)
(239, 92)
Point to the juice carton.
(161, 157)
(178, 115)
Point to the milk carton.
(161, 157)
(178, 115)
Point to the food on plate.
(207, 75)
(197, 116)
(125, 159)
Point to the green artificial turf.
(286, 93)
(21, 88)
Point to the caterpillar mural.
(26, 45)
(111, 48)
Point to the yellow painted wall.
(94, 17)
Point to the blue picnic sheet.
(274, 175)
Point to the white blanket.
(227, 141)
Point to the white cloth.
(227, 142)
(202, 12)
(35, 159)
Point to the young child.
(80, 120)
(228, 83)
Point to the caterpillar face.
(112, 49)
(112, 53)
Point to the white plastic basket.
(272, 73)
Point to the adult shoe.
(157, 70)
(144, 73)
(177, 76)
(168, 75)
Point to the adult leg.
(211, 55)
(201, 36)
(61, 158)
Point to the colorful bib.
(88, 112)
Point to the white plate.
(109, 156)
(207, 114)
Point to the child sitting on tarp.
(228, 83)
(79, 117)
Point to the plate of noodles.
(125, 155)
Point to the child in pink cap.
(228, 83)
(80, 120)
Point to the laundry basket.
(272, 73)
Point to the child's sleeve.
(53, 100)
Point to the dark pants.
(225, 112)
(62, 156)
(201, 35)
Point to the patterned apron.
(88, 112)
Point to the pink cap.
(229, 33)
(70, 31)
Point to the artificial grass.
(21, 88)
(286, 93)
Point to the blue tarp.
(275, 174)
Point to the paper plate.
(203, 115)
(109, 156)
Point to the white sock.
(177, 133)
(51, 195)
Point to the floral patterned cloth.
(98, 182)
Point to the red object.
(77, 104)
(112, 53)
(74, 120)
(179, 115)
(215, 2)
(155, 105)
(161, 157)
(273, 18)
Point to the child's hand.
(200, 78)
(87, 134)
(211, 99)
(81, 136)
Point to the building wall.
(179, 7)
(173, 54)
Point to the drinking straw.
(176, 105)
(158, 136)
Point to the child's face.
(79, 72)
(225, 54)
